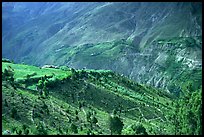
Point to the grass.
(22, 70)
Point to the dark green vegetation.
(55, 101)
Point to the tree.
(8, 75)
(73, 70)
(5, 103)
(187, 117)
(19, 132)
(94, 120)
(76, 112)
(115, 125)
(88, 116)
(139, 129)
(83, 74)
(24, 127)
(73, 128)
(64, 68)
(46, 92)
(13, 129)
(14, 113)
(41, 129)
(60, 130)
(40, 86)
(80, 105)
(114, 112)
(26, 132)
(176, 119)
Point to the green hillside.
(85, 91)
(80, 102)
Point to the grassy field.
(22, 70)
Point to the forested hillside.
(68, 101)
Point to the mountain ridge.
(119, 33)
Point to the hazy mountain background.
(156, 43)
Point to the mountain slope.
(85, 91)
(125, 37)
